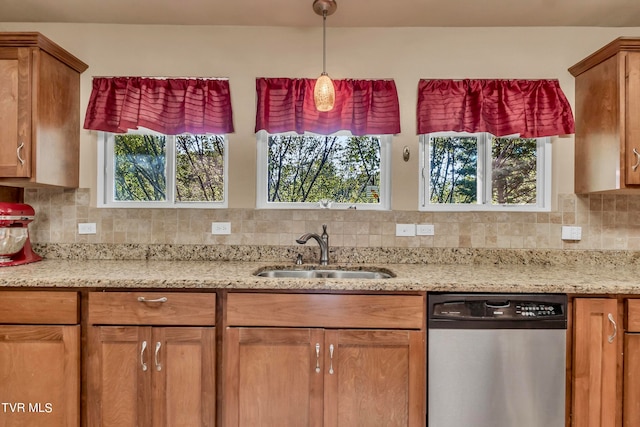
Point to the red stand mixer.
(15, 246)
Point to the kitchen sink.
(325, 273)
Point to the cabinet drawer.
(39, 307)
(152, 308)
(633, 315)
(325, 311)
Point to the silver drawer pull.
(317, 358)
(331, 359)
(155, 357)
(634, 167)
(615, 328)
(161, 299)
(144, 347)
(18, 151)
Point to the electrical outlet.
(87, 228)
(425, 230)
(571, 233)
(405, 229)
(220, 228)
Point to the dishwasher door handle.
(498, 304)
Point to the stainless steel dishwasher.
(496, 360)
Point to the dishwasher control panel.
(533, 309)
(499, 308)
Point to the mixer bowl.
(12, 241)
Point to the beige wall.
(404, 54)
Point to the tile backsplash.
(609, 222)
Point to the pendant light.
(324, 94)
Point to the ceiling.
(350, 13)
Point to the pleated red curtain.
(364, 107)
(531, 108)
(170, 106)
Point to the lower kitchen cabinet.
(155, 369)
(631, 414)
(631, 407)
(39, 359)
(596, 357)
(277, 372)
(271, 378)
(372, 377)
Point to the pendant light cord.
(324, 42)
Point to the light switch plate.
(220, 228)
(405, 230)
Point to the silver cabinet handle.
(615, 328)
(20, 147)
(331, 359)
(634, 167)
(144, 347)
(143, 299)
(155, 357)
(317, 358)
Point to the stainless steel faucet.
(323, 242)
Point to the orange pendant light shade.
(324, 94)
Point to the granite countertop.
(157, 274)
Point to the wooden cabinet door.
(39, 376)
(595, 359)
(15, 112)
(183, 380)
(631, 123)
(374, 378)
(119, 376)
(151, 376)
(273, 377)
(631, 405)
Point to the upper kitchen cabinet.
(39, 111)
(607, 110)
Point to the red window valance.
(170, 106)
(364, 107)
(531, 108)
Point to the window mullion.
(484, 169)
(543, 170)
(424, 170)
(480, 169)
(539, 172)
(385, 167)
(488, 189)
(106, 180)
(170, 170)
(262, 170)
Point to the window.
(478, 171)
(323, 171)
(149, 169)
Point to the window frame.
(484, 190)
(262, 190)
(105, 174)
